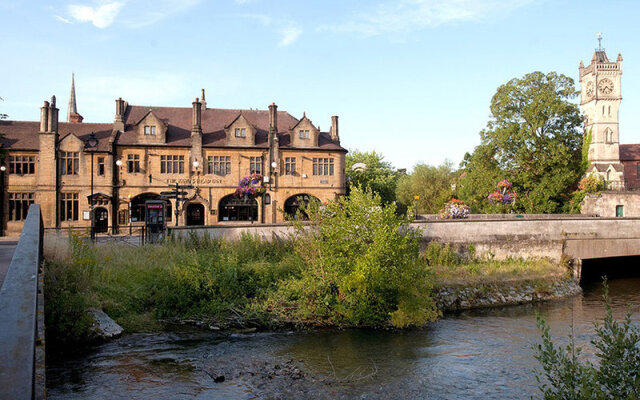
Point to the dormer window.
(241, 132)
(150, 130)
(304, 134)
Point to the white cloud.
(411, 15)
(62, 19)
(143, 13)
(289, 35)
(100, 16)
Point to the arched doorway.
(293, 203)
(232, 208)
(137, 205)
(195, 214)
(100, 220)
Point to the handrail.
(21, 325)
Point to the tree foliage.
(361, 267)
(431, 183)
(379, 176)
(616, 375)
(532, 139)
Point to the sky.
(410, 79)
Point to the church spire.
(72, 112)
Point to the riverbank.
(252, 284)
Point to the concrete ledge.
(20, 329)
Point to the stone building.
(148, 149)
(618, 164)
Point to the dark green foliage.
(431, 183)
(616, 375)
(379, 176)
(533, 140)
(361, 266)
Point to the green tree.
(377, 174)
(3, 116)
(361, 267)
(431, 183)
(534, 140)
(616, 375)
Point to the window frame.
(256, 165)
(133, 163)
(219, 165)
(172, 164)
(22, 164)
(289, 165)
(19, 203)
(69, 205)
(323, 166)
(241, 132)
(150, 130)
(69, 162)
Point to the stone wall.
(500, 239)
(604, 204)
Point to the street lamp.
(91, 145)
(2, 169)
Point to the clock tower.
(600, 98)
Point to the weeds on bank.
(356, 264)
(455, 266)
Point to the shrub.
(361, 266)
(615, 376)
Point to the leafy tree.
(361, 267)
(377, 175)
(532, 139)
(431, 183)
(617, 374)
(3, 116)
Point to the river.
(482, 354)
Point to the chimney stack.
(197, 116)
(53, 116)
(44, 117)
(335, 137)
(118, 123)
(204, 101)
(273, 118)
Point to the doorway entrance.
(195, 214)
(100, 220)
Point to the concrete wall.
(22, 369)
(497, 238)
(604, 205)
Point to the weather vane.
(599, 36)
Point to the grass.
(454, 268)
(246, 283)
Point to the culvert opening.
(612, 267)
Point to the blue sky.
(411, 79)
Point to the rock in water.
(103, 326)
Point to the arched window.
(293, 203)
(233, 208)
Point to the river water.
(484, 354)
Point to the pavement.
(7, 247)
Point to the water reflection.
(483, 354)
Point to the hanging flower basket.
(250, 187)
(455, 209)
(502, 195)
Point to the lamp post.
(2, 170)
(115, 201)
(90, 145)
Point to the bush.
(361, 266)
(615, 376)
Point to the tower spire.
(72, 111)
(599, 36)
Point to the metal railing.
(22, 369)
(133, 235)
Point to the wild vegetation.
(567, 375)
(355, 264)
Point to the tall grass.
(462, 266)
(210, 280)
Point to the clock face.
(605, 86)
(589, 89)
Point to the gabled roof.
(23, 135)
(600, 56)
(604, 167)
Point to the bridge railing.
(22, 374)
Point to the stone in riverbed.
(103, 326)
